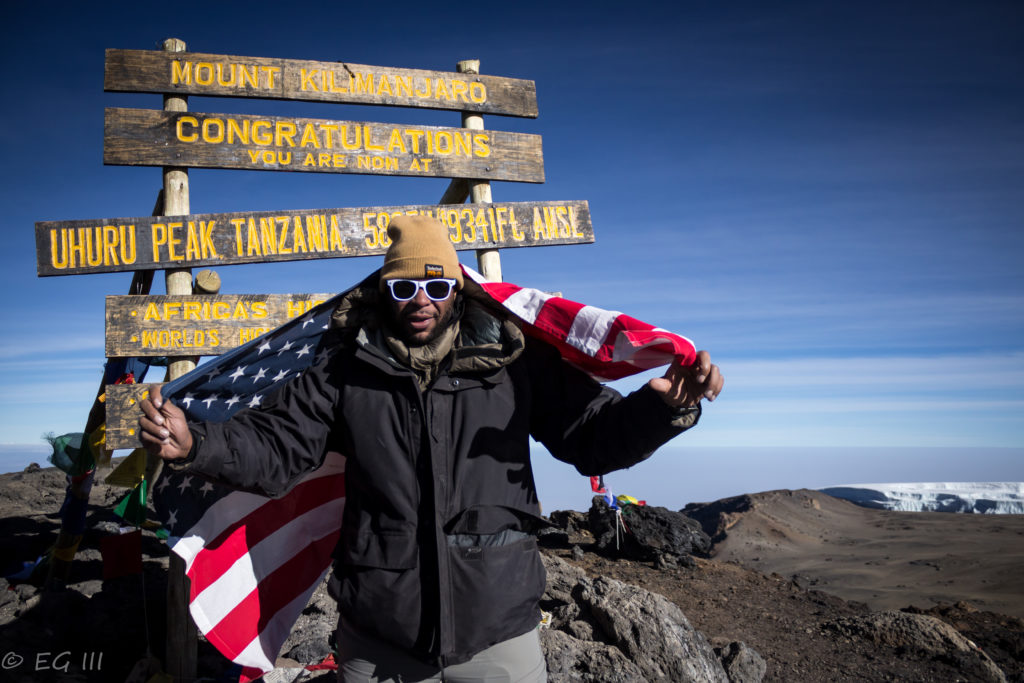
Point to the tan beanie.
(420, 249)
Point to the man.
(432, 397)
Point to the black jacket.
(436, 554)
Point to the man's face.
(420, 319)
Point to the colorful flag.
(254, 561)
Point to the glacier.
(993, 498)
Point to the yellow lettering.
(306, 80)
(252, 240)
(268, 238)
(478, 92)
(202, 79)
(284, 131)
(180, 125)
(299, 237)
(208, 135)
(220, 310)
(109, 245)
(282, 238)
(152, 312)
(59, 263)
(459, 89)
(441, 90)
(363, 84)
(127, 245)
(240, 312)
(181, 72)
(192, 250)
(220, 75)
(372, 229)
(238, 223)
(367, 141)
(270, 71)
(539, 231)
(403, 83)
(192, 311)
(159, 233)
(309, 137)
(235, 132)
(383, 86)
(344, 138)
(259, 309)
(480, 144)
(171, 309)
(173, 242)
(396, 142)
(245, 75)
(259, 138)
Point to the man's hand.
(684, 387)
(163, 428)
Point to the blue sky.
(827, 196)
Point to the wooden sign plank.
(154, 242)
(146, 137)
(193, 73)
(123, 413)
(200, 325)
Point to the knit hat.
(420, 249)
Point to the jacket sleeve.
(591, 426)
(267, 448)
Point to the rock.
(741, 663)
(922, 635)
(645, 531)
(572, 659)
(643, 627)
(653, 633)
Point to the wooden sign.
(154, 242)
(200, 325)
(123, 413)
(145, 137)
(192, 73)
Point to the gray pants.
(367, 660)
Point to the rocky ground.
(614, 617)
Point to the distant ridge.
(998, 498)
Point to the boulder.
(742, 664)
(601, 617)
(644, 532)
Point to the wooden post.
(487, 260)
(182, 635)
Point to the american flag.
(253, 562)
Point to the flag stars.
(309, 320)
(235, 398)
(209, 400)
(164, 481)
(259, 375)
(280, 375)
(239, 372)
(287, 345)
(207, 487)
(304, 350)
(186, 482)
(256, 399)
(189, 397)
(265, 346)
(172, 519)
